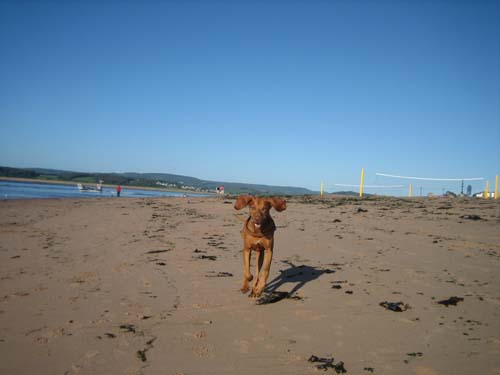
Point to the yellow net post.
(362, 182)
(486, 194)
(322, 188)
(496, 187)
(410, 191)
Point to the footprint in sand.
(41, 340)
(243, 346)
(202, 352)
(82, 278)
(309, 315)
(426, 371)
(48, 336)
(123, 267)
(91, 354)
(200, 335)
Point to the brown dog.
(258, 235)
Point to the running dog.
(258, 235)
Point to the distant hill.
(230, 187)
(168, 181)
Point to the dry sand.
(127, 286)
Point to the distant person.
(118, 190)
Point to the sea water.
(31, 190)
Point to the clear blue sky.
(272, 92)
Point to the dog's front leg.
(264, 274)
(259, 261)
(247, 276)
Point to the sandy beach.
(151, 286)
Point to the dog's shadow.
(298, 275)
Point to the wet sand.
(151, 286)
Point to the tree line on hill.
(77, 177)
(150, 180)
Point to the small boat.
(97, 188)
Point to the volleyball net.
(397, 185)
(423, 186)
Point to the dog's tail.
(240, 218)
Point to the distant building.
(481, 194)
(469, 190)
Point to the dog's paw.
(244, 289)
(255, 294)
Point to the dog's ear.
(278, 204)
(242, 201)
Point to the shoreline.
(71, 183)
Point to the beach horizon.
(111, 186)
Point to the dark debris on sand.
(141, 354)
(274, 297)
(328, 363)
(415, 354)
(128, 328)
(471, 217)
(158, 251)
(218, 274)
(209, 257)
(395, 306)
(451, 301)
